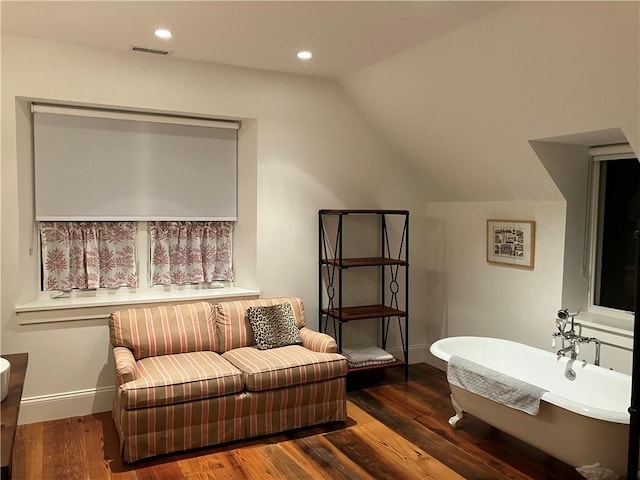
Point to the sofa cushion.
(169, 379)
(285, 366)
(232, 324)
(274, 326)
(164, 330)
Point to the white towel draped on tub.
(494, 385)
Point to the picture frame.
(511, 243)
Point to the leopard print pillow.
(274, 326)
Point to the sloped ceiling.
(462, 107)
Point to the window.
(128, 199)
(615, 184)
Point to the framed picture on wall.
(511, 243)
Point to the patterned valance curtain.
(88, 255)
(190, 252)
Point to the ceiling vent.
(153, 51)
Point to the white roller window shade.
(97, 165)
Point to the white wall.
(569, 166)
(489, 300)
(302, 147)
(462, 108)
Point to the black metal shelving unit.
(332, 263)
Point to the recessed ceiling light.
(305, 55)
(163, 33)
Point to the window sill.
(100, 305)
(618, 325)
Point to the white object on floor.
(597, 472)
(5, 369)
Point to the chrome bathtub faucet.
(571, 331)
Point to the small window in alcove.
(618, 181)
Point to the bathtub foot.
(453, 421)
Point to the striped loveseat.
(190, 375)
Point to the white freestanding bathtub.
(583, 417)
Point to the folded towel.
(494, 385)
(370, 363)
(366, 354)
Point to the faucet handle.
(553, 341)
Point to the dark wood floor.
(395, 431)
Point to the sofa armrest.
(126, 369)
(317, 341)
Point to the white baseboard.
(66, 404)
(417, 353)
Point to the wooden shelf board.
(362, 262)
(363, 312)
